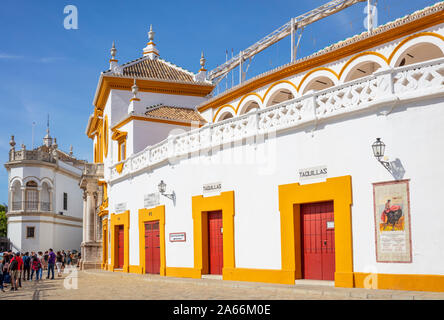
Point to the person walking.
(6, 276)
(26, 266)
(51, 262)
(13, 272)
(45, 259)
(36, 267)
(68, 258)
(42, 261)
(18, 256)
(64, 259)
(59, 263)
(1, 275)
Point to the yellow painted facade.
(117, 220)
(153, 214)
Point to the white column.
(90, 211)
(23, 198)
(39, 199)
(84, 217)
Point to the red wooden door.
(215, 242)
(152, 247)
(318, 241)
(120, 246)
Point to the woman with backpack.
(59, 262)
(14, 272)
(41, 259)
(36, 266)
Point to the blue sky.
(46, 69)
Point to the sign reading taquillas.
(313, 173)
(212, 188)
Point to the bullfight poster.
(392, 221)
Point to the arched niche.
(419, 52)
(319, 83)
(361, 70)
(279, 96)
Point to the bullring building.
(327, 168)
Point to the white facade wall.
(51, 231)
(412, 134)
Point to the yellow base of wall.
(135, 269)
(411, 282)
(183, 272)
(344, 279)
(258, 275)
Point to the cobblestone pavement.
(104, 285)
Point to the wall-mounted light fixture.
(378, 151)
(162, 189)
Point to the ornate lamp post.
(162, 189)
(378, 151)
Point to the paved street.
(103, 285)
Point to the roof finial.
(135, 89)
(12, 142)
(70, 150)
(113, 65)
(151, 33)
(47, 140)
(150, 49)
(201, 76)
(202, 62)
(134, 100)
(113, 50)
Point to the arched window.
(417, 53)
(280, 96)
(45, 198)
(362, 70)
(225, 116)
(319, 83)
(31, 196)
(16, 196)
(251, 106)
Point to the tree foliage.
(3, 220)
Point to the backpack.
(14, 265)
(36, 264)
(26, 260)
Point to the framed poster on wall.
(391, 202)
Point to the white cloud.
(50, 59)
(6, 56)
(10, 56)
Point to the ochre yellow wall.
(291, 196)
(116, 220)
(200, 206)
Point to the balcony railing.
(36, 155)
(383, 88)
(31, 206)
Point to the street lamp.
(378, 151)
(162, 189)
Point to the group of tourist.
(17, 266)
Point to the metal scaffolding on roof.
(287, 29)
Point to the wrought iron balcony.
(31, 206)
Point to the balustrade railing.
(19, 155)
(31, 206)
(381, 88)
